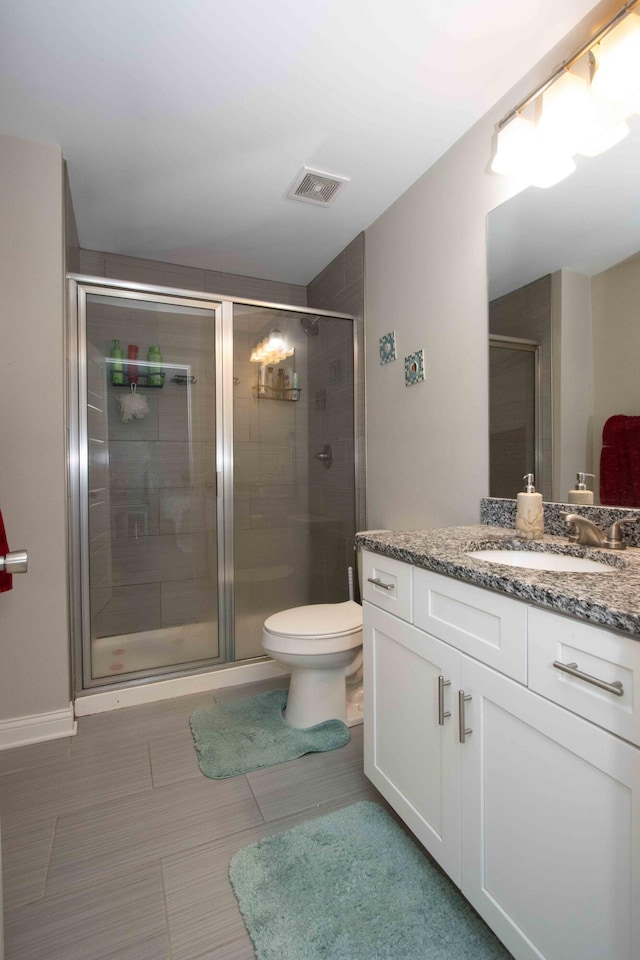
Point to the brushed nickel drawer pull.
(463, 730)
(442, 713)
(381, 583)
(615, 687)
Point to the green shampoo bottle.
(117, 367)
(154, 372)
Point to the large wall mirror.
(564, 288)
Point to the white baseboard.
(178, 687)
(19, 731)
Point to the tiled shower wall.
(136, 270)
(339, 287)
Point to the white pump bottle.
(581, 493)
(529, 515)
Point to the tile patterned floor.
(115, 847)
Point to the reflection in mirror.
(564, 274)
(514, 432)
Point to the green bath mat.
(238, 736)
(353, 886)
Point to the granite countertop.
(610, 600)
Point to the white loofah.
(132, 406)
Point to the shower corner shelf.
(140, 381)
(182, 380)
(270, 393)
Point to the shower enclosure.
(514, 414)
(203, 499)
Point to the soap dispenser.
(529, 517)
(581, 494)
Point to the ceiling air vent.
(314, 186)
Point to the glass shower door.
(293, 464)
(149, 510)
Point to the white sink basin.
(536, 560)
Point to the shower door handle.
(325, 456)
(14, 562)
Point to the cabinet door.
(550, 818)
(411, 758)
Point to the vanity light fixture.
(617, 57)
(581, 108)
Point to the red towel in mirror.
(620, 462)
(6, 579)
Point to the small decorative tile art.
(414, 368)
(388, 347)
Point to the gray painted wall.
(34, 627)
(426, 278)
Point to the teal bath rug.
(353, 886)
(238, 736)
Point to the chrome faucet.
(583, 530)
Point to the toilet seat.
(315, 629)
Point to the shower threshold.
(149, 649)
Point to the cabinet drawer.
(388, 584)
(483, 624)
(596, 652)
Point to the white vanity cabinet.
(536, 815)
(410, 739)
(549, 817)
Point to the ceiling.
(184, 122)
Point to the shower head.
(310, 326)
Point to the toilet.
(322, 644)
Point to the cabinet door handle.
(463, 730)
(442, 713)
(615, 687)
(381, 583)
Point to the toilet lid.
(318, 619)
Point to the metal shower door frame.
(80, 288)
(500, 342)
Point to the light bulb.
(568, 113)
(515, 144)
(276, 340)
(524, 154)
(617, 58)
